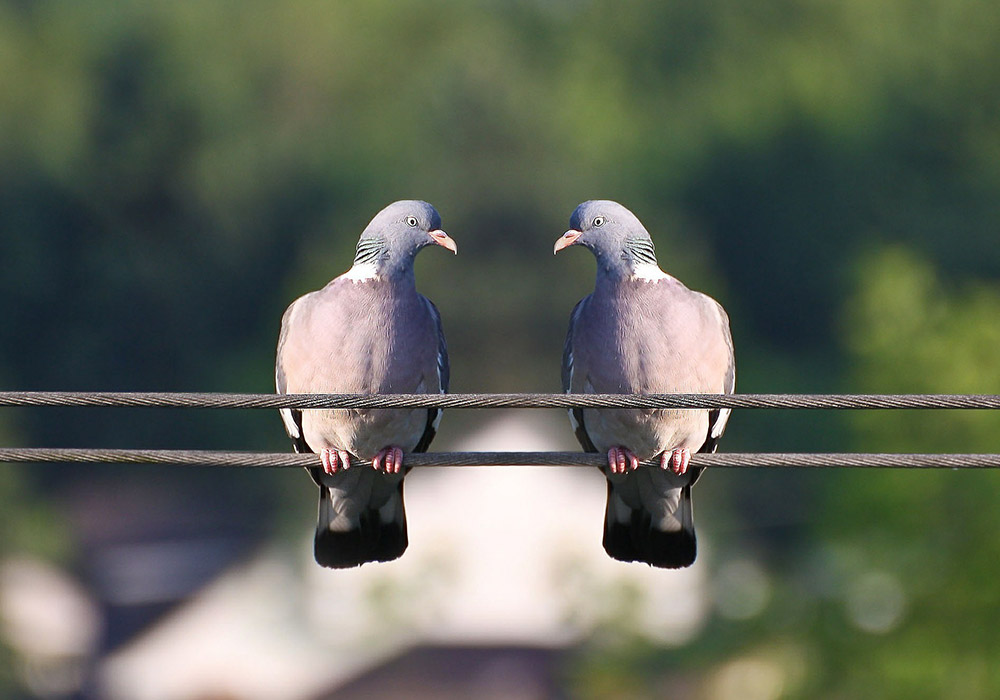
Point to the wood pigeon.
(366, 332)
(642, 331)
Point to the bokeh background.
(172, 175)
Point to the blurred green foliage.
(172, 175)
(934, 533)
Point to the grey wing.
(444, 374)
(718, 418)
(575, 414)
(292, 418)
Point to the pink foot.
(333, 458)
(389, 459)
(620, 458)
(676, 461)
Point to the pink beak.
(566, 240)
(444, 240)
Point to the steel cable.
(499, 459)
(362, 401)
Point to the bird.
(367, 331)
(642, 331)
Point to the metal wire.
(500, 459)
(308, 401)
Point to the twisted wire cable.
(662, 401)
(499, 459)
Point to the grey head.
(397, 233)
(612, 233)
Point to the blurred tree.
(921, 597)
(172, 175)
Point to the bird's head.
(615, 236)
(399, 231)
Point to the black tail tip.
(338, 550)
(664, 550)
(671, 550)
(345, 550)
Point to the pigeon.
(642, 331)
(368, 331)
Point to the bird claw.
(621, 459)
(676, 461)
(389, 459)
(333, 458)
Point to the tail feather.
(631, 535)
(671, 549)
(377, 535)
(391, 526)
(618, 541)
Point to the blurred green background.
(173, 174)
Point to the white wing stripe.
(720, 422)
(289, 420)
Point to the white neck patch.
(361, 273)
(647, 272)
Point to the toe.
(329, 459)
(619, 459)
(679, 460)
